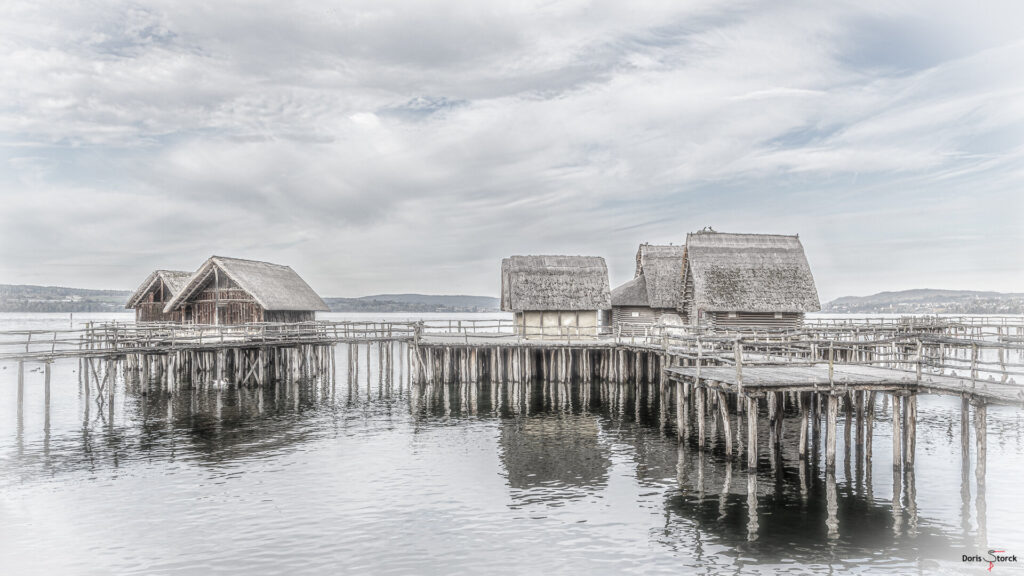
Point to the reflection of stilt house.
(656, 290)
(154, 293)
(554, 455)
(555, 295)
(235, 291)
(746, 281)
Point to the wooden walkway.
(505, 340)
(843, 378)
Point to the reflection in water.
(550, 457)
(557, 443)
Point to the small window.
(778, 315)
(634, 314)
(732, 314)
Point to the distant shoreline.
(54, 299)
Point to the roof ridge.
(215, 257)
(716, 232)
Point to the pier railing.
(504, 329)
(120, 338)
(984, 348)
(920, 353)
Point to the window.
(634, 314)
(732, 314)
(778, 315)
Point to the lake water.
(312, 481)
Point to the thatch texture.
(274, 287)
(175, 280)
(554, 283)
(662, 267)
(632, 293)
(749, 273)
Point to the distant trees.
(27, 298)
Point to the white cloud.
(408, 146)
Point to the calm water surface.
(310, 480)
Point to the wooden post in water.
(753, 527)
(723, 409)
(46, 397)
(965, 463)
(981, 443)
(869, 432)
(699, 394)
(831, 497)
(965, 430)
(803, 428)
(859, 404)
(752, 433)
(680, 409)
(21, 390)
(847, 429)
(830, 447)
(896, 432)
(780, 407)
(910, 413)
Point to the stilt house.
(235, 291)
(555, 295)
(154, 293)
(746, 281)
(655, 291)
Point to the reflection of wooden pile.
(546, 449)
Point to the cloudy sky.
(407, 146)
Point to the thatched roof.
(274, 287)
(554, 283)
(632, 293)
(662, 266)
(175, 280)
(750, 273)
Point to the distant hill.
(929, 301)
(26, 298)
(414, 303)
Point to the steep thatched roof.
(750, 273)
(554, 283)
(175, 280)
(632, 293)
(274, 287)
(662, 266)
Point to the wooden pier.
(717, 382)
(743, 397)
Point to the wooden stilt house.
(236, 291)
(655, 291)
(746, 281)
(154, 293)
(555, 296)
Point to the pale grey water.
(313, 483)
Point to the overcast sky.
(408, 146)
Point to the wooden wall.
(289, 316)
(556, 323)
(633, 318)
(753, 321)
(151, 309)
(221, 301)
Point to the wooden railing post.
(737, 348)
(920, 349)
(831, 359)
(974, 364)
